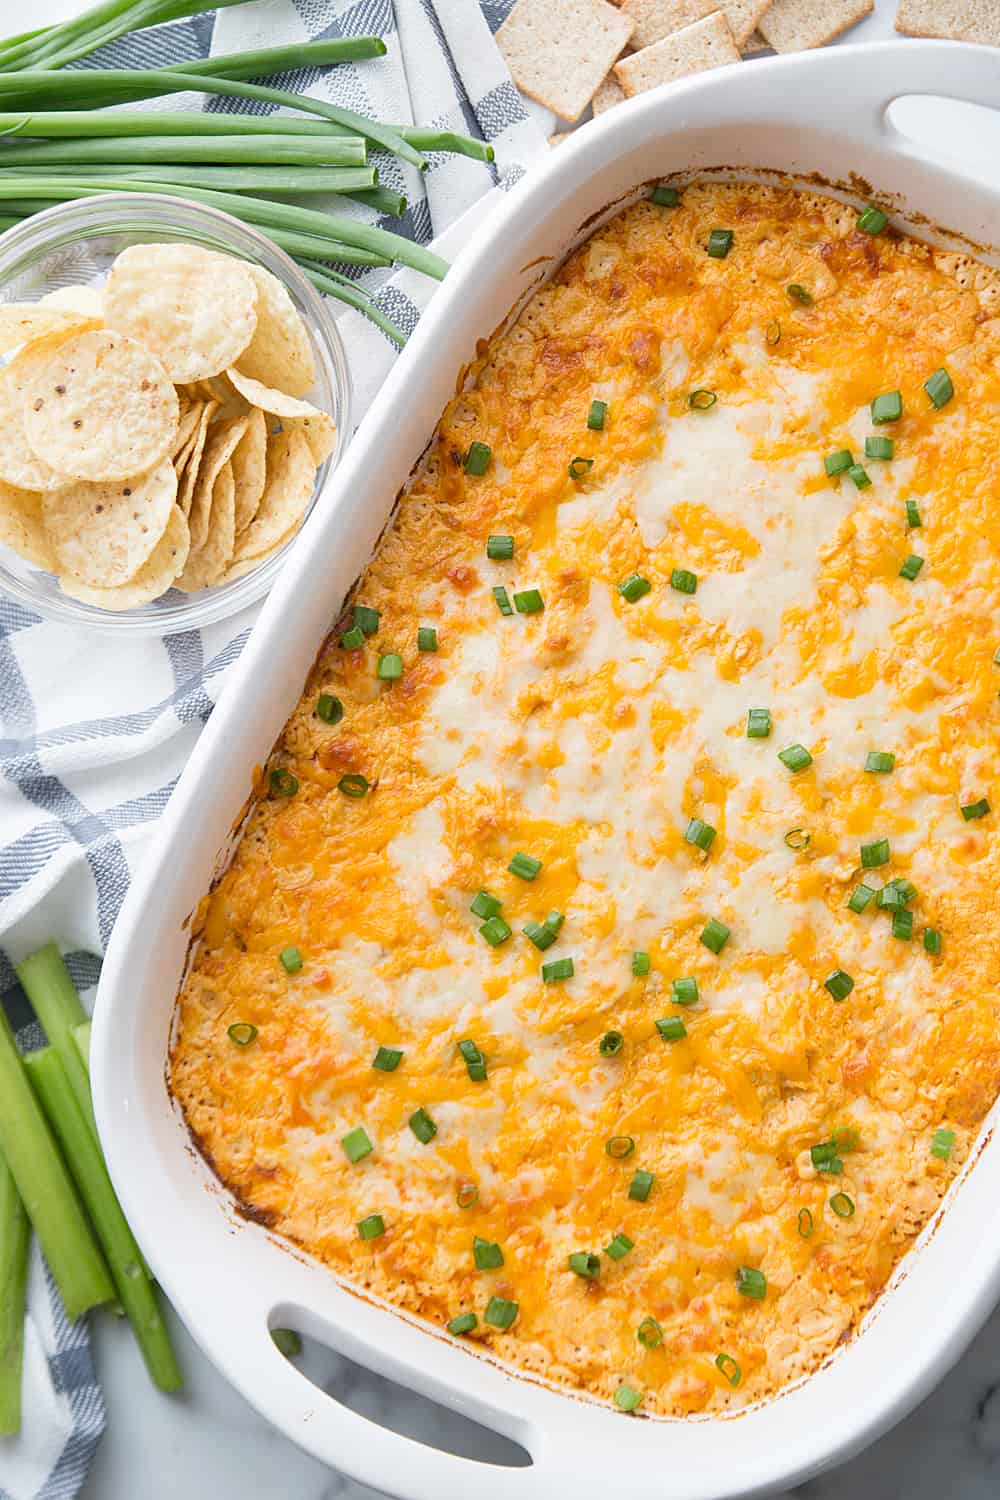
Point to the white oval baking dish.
(822, 113)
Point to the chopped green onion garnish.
(880, 761)
(619, 1146)
(751, 1282)
(283, 783)
(649, 1333)
(475, 1062)
(913, 518)
(557, 968)
(611, 1044)
(353, 785)
(942, 1143)
(758, 724)
(887, 408)
(796, 757)
(971, 810)
(627, 1398)
(715, 935)
(371, 1227)
(875, 854)
(702, 835)
(634, 587)
(685, 991)
(366, 619)
(485, 905)
(664, 196)
(640, 963)
(846, 1138)
(554, 921)
(683, 581)
(824, 1157)
(872, 220)
(542, 936)
(500, 548)
(671, 1029)
(580, 467)
(487, 1255)
(291, 959)
(939, 388)
(839, 462)
(640, 1186)
(772, 334)
(422, 1125)
(805, 1223)
(525, 866)
(798, 839)
(596, 415)
(464, 1323)
(799, 294)
(896, 893)
(329, 708)
(467, 1195)
(529, 602)
(387, 1059)
(356, 1144)
(861, 897)
(495, 930)
(842, 1206)
(390, 667)
(503, 603)
(839, 983)
(720, 243)
(427, 640)
(353, 639)
(729, 1368)
(242, 1033)
(702, 399)
(586, 1264)
(879, 447)
(911, 567)
(859, 474)
(932, 941)
(500, 1313)
(619, 1247)
(477, 460)
(902, 925)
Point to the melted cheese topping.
(588, 735)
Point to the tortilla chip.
(19, 464)
(23, 529)
(795, 25)
(269, 399)
(952, 20)
(88, 301)
(206, 566)
(291, 479)
(559, 51)
(655, 19)
(187, 426)
(20, 322)
(192, 307)
(251, 564)
(222, 439)
(101, 407)
(188, 474)
(154, 578)
(103, 533)
(249, 464)
(694, 49)
(280, 352)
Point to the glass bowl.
(77, 242)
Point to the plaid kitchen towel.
(94, 731)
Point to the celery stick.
(46, 1188)
(15, 1233)
(46, 982)
(81, 1041)
(137, 1295)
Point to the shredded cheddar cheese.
(742, 1166)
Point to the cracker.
(196, 309)
(291, 477)
(222, 439)
(20, 322)
(103, 533)
(694, 49)
(249, 464)
(280, 352)
(953, 20)
(88, 301)
(754, 45)
(608, 95)
(23, 529)
(211, 560)
(188, 473)
(795, 25)
(19, 464)
(655, 19)
(102, 407)
(166, 560)
(558, 51)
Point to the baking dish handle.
(944, 70)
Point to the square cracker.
(608, 95)
(795, 25)
(655, 19)
(559, 51)
(693, 49)
(954, 20)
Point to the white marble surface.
(209, 1443)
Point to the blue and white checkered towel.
(94, 732)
